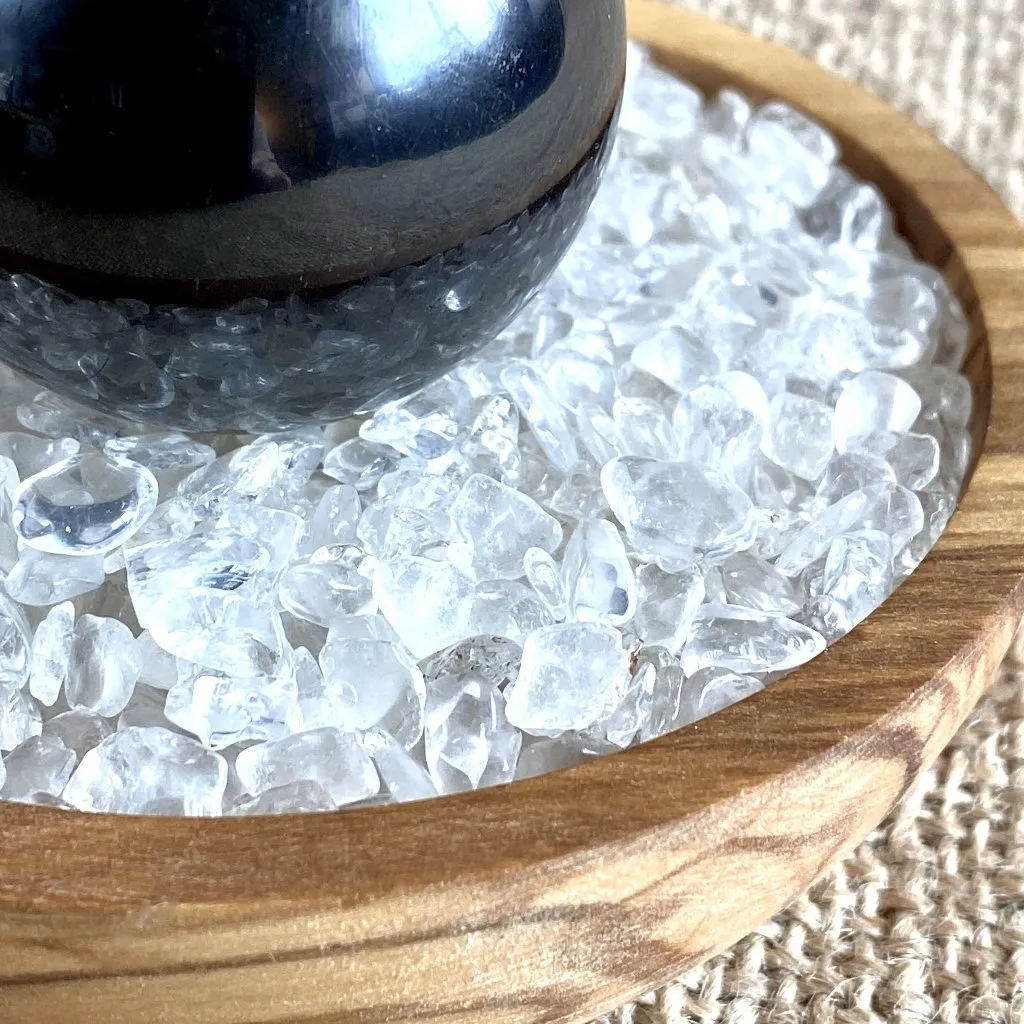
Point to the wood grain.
(558, 898)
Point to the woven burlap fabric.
(925, 920)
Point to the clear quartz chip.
(429, 604)
(858, 577)
(872, 402)
(222, 709)
(542, 411)
(426, 424)
(714, 689)
(678, 510)
(713, 428)
(300, 797)
(508, 609)
(572, 675)
(56, 417)
(853, 470)
(751, 582)
(644, 429)
(359, 463)
(469, 741)
(32, 455)
(676, 358)
(913, 459)
(366, 680)
(16, 654)
(105, 666)
(20, 716)
(329, 757)
(492, 447)
(79, 731)
(667, 603)
(42, 764)
(498, 525)
(494, 659)
(794, 154)
(334, 582)
(149, 771)
(800, 436)
(545, 576)
(86, 505)
(209, 597)
(600, 584)
(39, 579)
(159, 668)
(169, 457)
(402, 775)
(336, 518)
(748, 641)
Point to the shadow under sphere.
(247, 214)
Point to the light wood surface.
(556, 899)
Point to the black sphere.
(248, 214)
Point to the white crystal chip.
(745, 640)
(149, 771)
(599, 581)
(328, 757)
(678, 510)
(86, 505)
(572, 675)
(499, 525)
(428, 603)
(105, 666)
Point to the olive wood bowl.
(558, 898)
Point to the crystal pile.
(726, 430)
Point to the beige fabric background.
(925, 921)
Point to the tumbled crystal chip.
(366, 679)
(149, 771)
(169, 457)
(40, 579)
(873, 402)
(15, 643)
(42, 764)
(499, 525)
(469, 740)
(678, 510)
(51, 653)
(715, 689)
(667, 603)
(86, 505)
(223, 709)
(748, 641)
(599, 581)
(428, 603)
(209, 597)
(572, 675)
(328, 757)
(105, 666)
(425, 424)
(402, 775)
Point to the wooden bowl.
(558, 898)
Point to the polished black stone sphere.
(247, 214)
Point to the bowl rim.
(642, 862)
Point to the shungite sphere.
(249, 214)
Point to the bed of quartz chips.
(721, 436)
